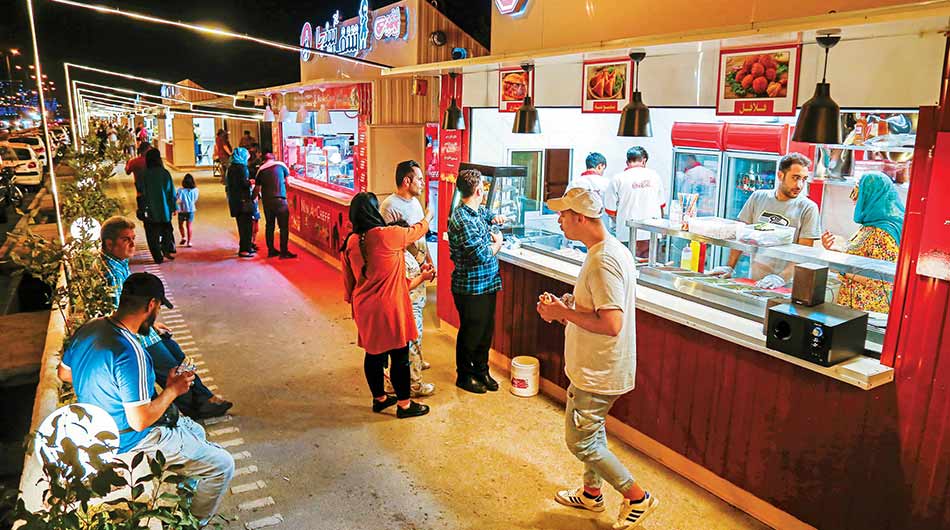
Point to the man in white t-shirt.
(600, 355)
(593, 177)
(636, 193)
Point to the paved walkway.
(277, 339)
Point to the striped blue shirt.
(111, 370)
(116, 272)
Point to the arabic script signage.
(759, 81)
(349, 38)
(393, 24)
(511, 7)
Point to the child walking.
(186, 197)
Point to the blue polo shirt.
(111, 370)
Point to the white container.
(766, 234)
(525, 376)
(714, 227)
(686, 258)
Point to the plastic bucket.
(525, 376)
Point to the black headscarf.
(364, 216)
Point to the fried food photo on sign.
(606, 82)
(514, 86)
(757, 76)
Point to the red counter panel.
(317, 220)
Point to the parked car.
(36, 143)
(24, 162)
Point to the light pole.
(49, 153)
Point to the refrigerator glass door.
(745, 173)
(695, 171)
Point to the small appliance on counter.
(825, 334)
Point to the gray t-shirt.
(800, 212)
(395, 208)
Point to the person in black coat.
(240, 200)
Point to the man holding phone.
(108, 368)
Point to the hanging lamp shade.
(635, 117)
(526, 119)
(323, 116)
(453, 119)
(303, 113)
(284, 111)
(268, 114)
(819, 121)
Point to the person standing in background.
(186, 197)
(223, 151)
(270, 184)
(241, 203)
(247, 140)
(635, 194)
(159, 194)
(593, 178)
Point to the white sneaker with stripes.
(576, 499)
(632, 514)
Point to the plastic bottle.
(686, 258)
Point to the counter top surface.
(326, 193)
(863, 372)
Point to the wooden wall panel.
(394, 103)
(429, 20)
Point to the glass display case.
(739, 295)
(504, 192)
(324, 159)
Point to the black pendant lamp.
(526, 118)
(819, 121)
(453, 120)
(635, 118)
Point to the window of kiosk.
(322, 154)
(534, 161)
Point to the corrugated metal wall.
(394, 103)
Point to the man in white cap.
(600, 355)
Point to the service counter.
(319, 218)
(715, 404)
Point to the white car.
(36, 143)
(24, 162)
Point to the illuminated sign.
(511, 7)
(306, 41)
(391, 25)
(350, 39)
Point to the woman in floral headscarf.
(880, 212)
(240, 202)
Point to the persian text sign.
(511, 7)
(350, 38)
(306, 41)
(393, 24)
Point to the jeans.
(276, 210)
(204, 461)
(166, 355)
(476, 327)
(160, 238)
(375, 364)
(415, 346)
(244, 222)
(586, 437)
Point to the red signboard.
(607, 85)
(934, 257)
(318, 221)
(758, 81)
(513, 85)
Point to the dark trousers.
(476, 327)
(244, 222)
(160, 238)
(374, 364)
(276, 210)
(166, 355)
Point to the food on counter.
(514, 86)
(606, 82)
(757, 76)
(572, 253)
(714, 227)
(766, 234)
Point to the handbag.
(141, 209)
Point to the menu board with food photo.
(607, 85)
(513, 85)
(761, 81)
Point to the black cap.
(146, 285)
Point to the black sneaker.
(272, 253)
(414, 409)
(471, 384)
(287, 255)
(379, 406)
(490, 384)
(211, 410)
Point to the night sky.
(81, 36)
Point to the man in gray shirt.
(404, 205)
(783, 206)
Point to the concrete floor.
(278, 340)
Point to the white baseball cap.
(580, 200)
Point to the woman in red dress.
(374, 276)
